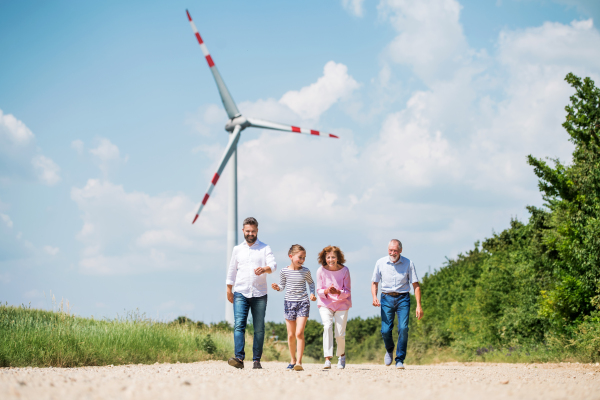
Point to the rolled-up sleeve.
(346, 287)
(320, 286)
(376, 273)
(270, 259)
(413, 273)
(232, 269)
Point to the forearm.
(374, 286)
(229, 288)
(418, 295)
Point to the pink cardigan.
(341, 281)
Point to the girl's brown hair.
(296, 248)
(338, 253)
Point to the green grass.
(38, 338)
(31, 337)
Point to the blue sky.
(111, 127)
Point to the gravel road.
(217, 380)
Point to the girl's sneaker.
(327, 364)
(291, 366)
(298, 367)
(342, 362)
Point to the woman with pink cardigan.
(334, 300)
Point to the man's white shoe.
(327, 364)
(388, 358)
(399, 365)
(341, 362)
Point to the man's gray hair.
(250, 221)
(399, 243)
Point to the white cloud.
(47, 171)
(107, 155)
(430, 40)
(354, 7)
(21, 158)
(6, 220)
(551, 45)
(133, 232)
(313, 100)
(409, 151)
(13, 130)
(77, 145)
(51, 250)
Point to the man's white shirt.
(244, 260)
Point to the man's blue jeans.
(258, 307)
(389, 307)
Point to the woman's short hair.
(338, 253)
(296, 248)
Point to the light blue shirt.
(395, 277)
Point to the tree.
(572, 194)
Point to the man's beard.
(395, 259)
(250, 238)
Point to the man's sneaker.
(399, 365)
(342, 362)
(257, 365)
(388, 358)
(235, 362)
(327, 364)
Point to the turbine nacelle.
(238, 120)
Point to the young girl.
(333, 287)
(293, 280)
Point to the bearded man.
(251, 261)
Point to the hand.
(419, 312)
(312, 297)
(376, 302)
(275, 286)
(230, 297)
(333, 290)
(259, 271)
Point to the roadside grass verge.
(39, 338)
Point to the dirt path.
(217, 380)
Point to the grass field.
(39, 338)
(30, 337)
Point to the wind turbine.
(235, 125)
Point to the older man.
(396, 274)
(247, 290)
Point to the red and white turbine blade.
(259, 123)
(231, 146)
(228, 103)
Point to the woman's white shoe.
(327, 364)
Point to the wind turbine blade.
(228, 103)
(259, 123)
(231, 146)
